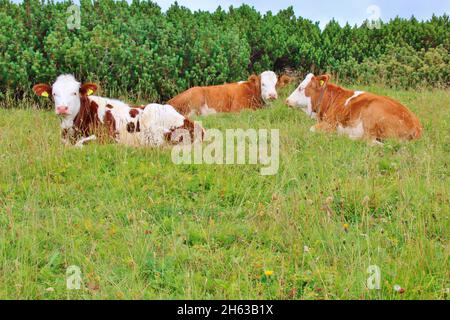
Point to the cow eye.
(74, 94)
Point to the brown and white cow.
(230, 97)
(357, 114)
(84, 115)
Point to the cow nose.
(62, 110)
(288, 102)
(273, 96)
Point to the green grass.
(140, 227)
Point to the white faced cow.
(357, 114)
(230, 97)
(84, 115)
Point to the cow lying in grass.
(358, 114)
(230, 97)
(84, 116)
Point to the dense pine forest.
(137, 49)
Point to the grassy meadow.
(140, 227)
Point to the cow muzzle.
(272, 96)
(289, 103)
(63, 110)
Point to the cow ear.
(253, 79)
(43, 90)
(284, 80)
(322, 81)
(88, 89)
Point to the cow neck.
(260, 101)
(329, 100)
(86, 117)
(255, 93)
(320, 101)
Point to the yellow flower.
(268, 273)
(346, 226)
(112, 230)
(120, 295)
(88, 225)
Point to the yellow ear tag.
(322, 83)
(90, 91)
(44, 94)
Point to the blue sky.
(352, 11)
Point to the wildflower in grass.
(268, 273)
(112, 230)
(305, 249)
(267, 276)
(346, 226)
(88, 224)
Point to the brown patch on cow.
(110, 123)
(134, 113)
(109, 106)
(86, 121)
(131, 127)
(64, 133)
(141, 107)
(188, 125)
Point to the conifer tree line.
(138, 49)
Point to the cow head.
(268, 86)
(284, 81)
(67, 93)
(307, 94)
